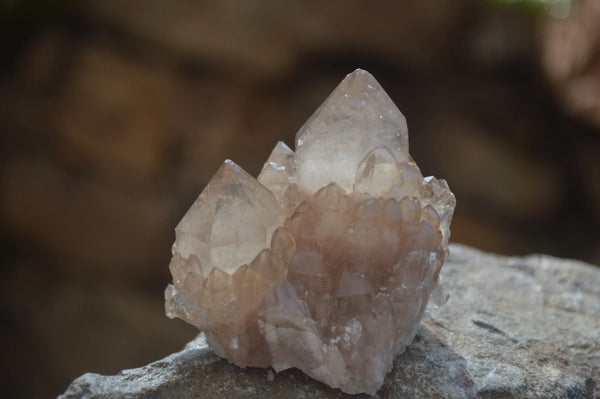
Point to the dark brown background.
(114, 115)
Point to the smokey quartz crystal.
(326, 261)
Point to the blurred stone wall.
(115, 115)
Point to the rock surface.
(512, 328)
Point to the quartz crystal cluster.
(326, 261)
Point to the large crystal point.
(356, 117)
(327, 261)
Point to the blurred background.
(114, 114)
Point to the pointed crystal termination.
(378, 173)
(231, 221)
(356, 117)
(279, 172)
(327, 261)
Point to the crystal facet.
(356, 117)
(327, 260)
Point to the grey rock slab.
(514, 327)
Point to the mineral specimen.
(327, 260)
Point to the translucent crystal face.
(231, 221)
(327, 260)
(357, 117)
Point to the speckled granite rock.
(513, 327)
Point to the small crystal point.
(231, 221)
(327, 261)
(356, 117)
(378, 173)
(438, 194)
(279, 172)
